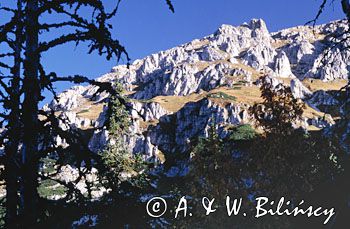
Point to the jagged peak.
(328, 27)
(258, 24)
(181, 88)
(253, 25)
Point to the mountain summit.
(174, 94)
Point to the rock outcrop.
(299, 91)
(233, 57)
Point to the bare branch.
(6, 54)
(47, 27)
(171, 6)
(320, 11)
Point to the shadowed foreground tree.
(340, 43)
(279, 109)
(11, 169)
(282, 161)
(28, 133)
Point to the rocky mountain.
(175, 94)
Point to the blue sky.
(147, 26)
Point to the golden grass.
(201, 65)
(246, 95)
(317, 84)
(243, 94)
(198, 44)
(255, 74)
(160, 155)
(313, 128)
(309, 112)
(144, 125)
(175, 103)
(89, 109)
(278, 43)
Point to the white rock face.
(211, 54)
(232, 54)
(148, 111)
(299, 90)
(195, 119)
(182, 81)
(282, 66)
(85, 221)
(336, 67)
(69, 99)
(73, 121)
(69, 174)
(234, 40)
(99, 140)
(259, 57)
(306, 47)
(174, 132)
(178, 71)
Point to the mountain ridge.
(177, 92)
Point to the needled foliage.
(123, 174)
(282, 161)
(118, 119)
(243, 132)
(119, 164)
(279, 110)
(289, 154)
(214, 173)
(29, 134)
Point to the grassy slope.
(243, 94)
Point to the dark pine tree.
(26, 137)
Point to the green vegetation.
(83, 111)
(282, 161)
(118, 117)
(243, 132)
(240, 82)
(221, 95)
(279, 109)
(119, 164)
(143, 100)
(48, 165)
(49, 188)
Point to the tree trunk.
(29, 194)
(11, 149)
(346, 8)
